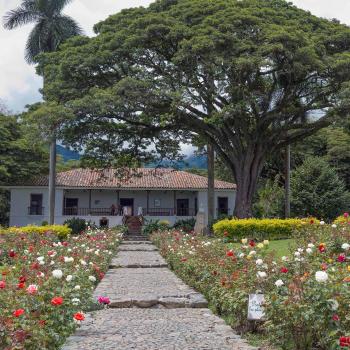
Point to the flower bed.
(46, 284)
(307, 294)
(61, 231)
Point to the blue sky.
(19, 84)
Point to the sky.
(19, 84)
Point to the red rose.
(79, 316)
(229, 253)
(312, 221)
(2, 284)
(65, 244)
(346, 215)
(284, 269)
(12, 253)
(252, 243)
(56, 301)
(341, 258)
(335, 318)
(225, 233)
(344, 341)
(22, 279)
(183, 259)
(324, 266)
(101, 275)
(20, 285)
(18, 312)
(322, 247)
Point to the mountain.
(67, 154)
(192, 161)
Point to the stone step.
(149, 329)
(135, 259)
(137, 248)
(134, 242)
(147, 288)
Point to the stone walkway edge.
(151, 309)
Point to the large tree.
(51, 28)
(249, 76)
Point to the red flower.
(183, 259)
(322, 247)
(225, 233)
(324, 266)
(335, 318)
(20, 285)
(229, 253)
(2, 284)
(344, 341)
(22, 279)
(65, 244)
(42, 323)
(18, 312)
(312, 221)
(284, 269)
(341, 258)
(252, 243)
(12, 253)
(57, 301)
(346, 215)
(79, 316)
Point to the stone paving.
(151, 309)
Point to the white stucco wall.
(20, 201)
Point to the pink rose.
(32, 289)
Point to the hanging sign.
(255, 307)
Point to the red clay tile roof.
(130, 179)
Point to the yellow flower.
(260, 245)
(349, 268)
(330, 261)
(266, 242)
(249, 257)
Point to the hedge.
(62, 231)
(260, 229)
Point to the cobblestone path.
(151, 309)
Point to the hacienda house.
(101, 196)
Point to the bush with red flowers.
(45, 284)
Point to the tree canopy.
(250, 77)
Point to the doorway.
(182, 207)
(222, 206)
(128, 204)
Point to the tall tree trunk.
(211, 193)
(287, 183)
(52, 180)
(247, 173)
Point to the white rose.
(308, 250)
(259, 262)
(322, 222)
(297, 254)
(333, 304)
(57, 274)
(77, 287)
(334, 226)
(300, 250)
(241, 255)
(83, 262)
(284, 258)
(261, 274)
(279, 283)
(345, 246)
(244, 241)
(92, 278)
(69, 278)
(266, 242)
(75, 301)
(253, 252)
(321, 276)
(310, 245)
(40, 258)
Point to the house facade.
(105, 196)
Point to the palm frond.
(20, 16)
(67, 27)
(58, 5)
(37, 42)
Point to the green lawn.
(280, 247)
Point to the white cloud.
(18, 83)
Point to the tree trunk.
(247, 172)
(211, 194)
(52, 181)
(287, 184)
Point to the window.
(222, 206)
(36, 204)
(71, 206)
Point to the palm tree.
(50, 30)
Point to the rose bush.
(45, 284)
(307, 293)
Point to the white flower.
(259, 262)
(77, 287)
(333, 304)
(322, 222)
(308, 250)
(284, 258)
(345, 246)
(68, 259)
(75, 301)
(69, 278)
(300, 250)
(41, 262)
(92, 278)
(261, 274)
(279, 283)
(297, 254)
(310, 245)
(40, 258)
(57, 273)
(266, 242)
(83, 262)
(241, 255)
(321, 276)
(334, 226)
(244, 240)
(253, 252)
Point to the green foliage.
(155, 225)
(245, 75)
(61, 231)
(317, 190)
(260, 229)
(270, 200)
(77, 225)
(185, 225)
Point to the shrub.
(236, 229)
(155, 225)
(77, 225)
(185, 225)
(61, 231)
(343, 219)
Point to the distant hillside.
(67, 154)
(193, 161)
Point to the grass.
(280, 247)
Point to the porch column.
(174, 202)
(90, 202)
(147, 208)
